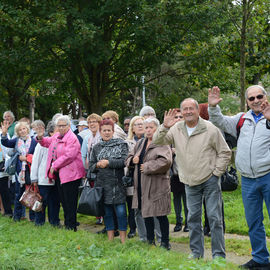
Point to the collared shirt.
(256, 117)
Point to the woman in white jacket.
(47, 187)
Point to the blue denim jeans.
(254, 192)
(50, 198)
(121, 213)
(211, 191)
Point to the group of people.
(186, 155)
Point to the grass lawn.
(25, 246)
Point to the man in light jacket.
(202, 156)
(253, 162)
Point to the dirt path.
(184, 248)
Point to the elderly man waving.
(202, 156)
(252, 161)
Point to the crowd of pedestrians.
(186, 155)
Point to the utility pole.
(143, 92)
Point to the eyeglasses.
(178, 116)
(138, 125)
(149, 114)
(61, 126)
(258, 97)
(126, 124)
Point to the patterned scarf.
(23, 148)
(110, 149)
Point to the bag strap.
(240, 124)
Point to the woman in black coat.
(107, 161)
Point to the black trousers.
(68, 194)
(164, 228)
(4, 192)
(131, 214)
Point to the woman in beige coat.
(151, 182)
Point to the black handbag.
(127, 180)
(91, 202)
(91, 176)
(229, 180)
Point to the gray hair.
(10, 113)
(255, 86)
(50, 127)
(56, 116)
(151, 120)
(37, 123)
(65, 118)
(190, 99)
(147, 109)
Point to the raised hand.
(40, 130)
(266, 109)
(169, 118)
(4, 126)
(214, 96)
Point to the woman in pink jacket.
(65, 167)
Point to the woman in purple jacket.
(65, 166)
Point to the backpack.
(230, 140)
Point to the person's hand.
(22, 158)
(135, 160)
(169, 118)
(214, 96)
(4, 126)
(266, 109)
(103, 163)
(142, 167)
(52, 170)
(40, 130)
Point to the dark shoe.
(103, 231)
(116, 233)
(255, 266)
(178, 227)
(186, 229)
(16, 219)
(131, 234)
(99, 221)
(151, 242)
(165, 245)
(78, 223)
(206, 231)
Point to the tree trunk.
(243, 55)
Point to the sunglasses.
(258, 97)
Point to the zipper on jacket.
(254, 127)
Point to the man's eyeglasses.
(258, 97)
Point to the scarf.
(110, 149)
(23, 148)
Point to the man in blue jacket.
(253, 162)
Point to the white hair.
(147, 109)
(255, 86)
(65, 118)
(151, 120)
(10, 113)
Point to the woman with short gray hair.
(64, 166)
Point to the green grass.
(25, 246)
